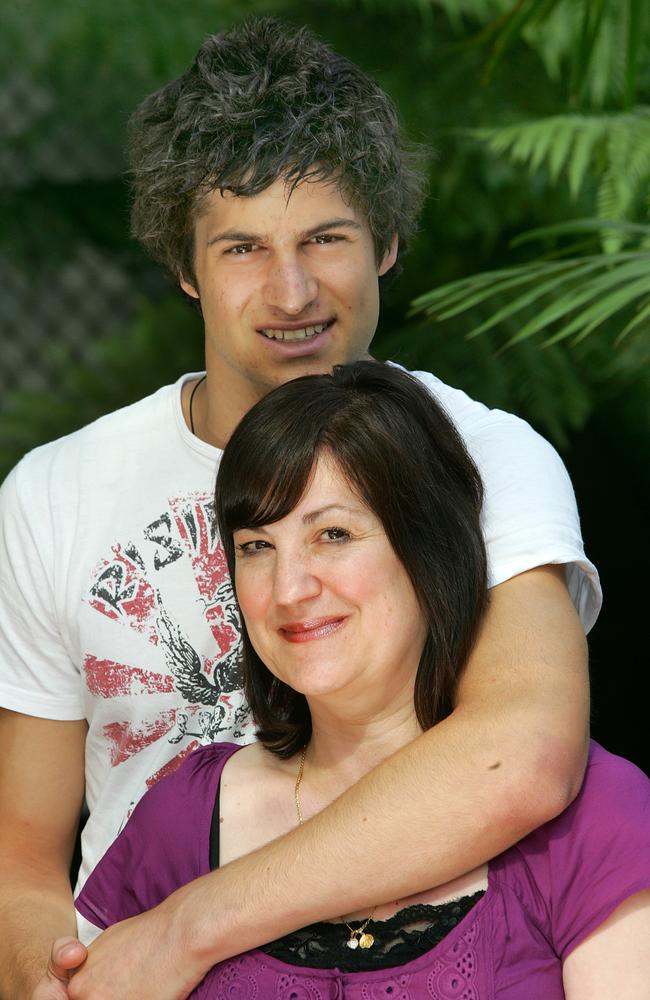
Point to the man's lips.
(315, 628)
(296, 331)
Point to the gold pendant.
(366, 941)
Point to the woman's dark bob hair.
(405, 460)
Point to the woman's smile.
(315, 628)
(328, 605)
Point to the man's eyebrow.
(237, 236)
(341, 223)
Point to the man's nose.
(290, 287)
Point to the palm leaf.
(589, 290)
(575, 295)
(583, 226)
(641, 317)
(602, 309)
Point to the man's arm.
(41, 794)
(510, 757)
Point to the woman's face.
(328, 605)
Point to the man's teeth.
(304, 334)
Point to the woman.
(350, 515)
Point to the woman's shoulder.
(257, 802)
(612, 808)
(571, 873)
(613, 803)
(203, 765)
(164, 845)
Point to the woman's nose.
(294, 579)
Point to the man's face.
(288, 287)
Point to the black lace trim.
(408, 934)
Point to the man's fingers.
(65, 958)
(67, 955)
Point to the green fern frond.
(582, 152)
(550, 284)
(614, 148)
(574, 292)
(612, 201)
(560, 143)
(471, 291)
(642, 317)
(634, 232)
(581, 294)
(601, 309)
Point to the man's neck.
(211, 411)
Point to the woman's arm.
(510, 757)
(614, 961)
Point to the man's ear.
(389, 257)
(188, 287)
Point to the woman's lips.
(316, 628)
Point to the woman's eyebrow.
(314, 515)
(247, 527)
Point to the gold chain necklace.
(359, 938)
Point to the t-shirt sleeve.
(37, 674)
(530, 517)
(164, 845)
(596, 854)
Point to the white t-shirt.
(115, 603)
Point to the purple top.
(544, 896)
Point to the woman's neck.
(342, 751)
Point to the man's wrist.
(195, 925)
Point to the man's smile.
(295, 333)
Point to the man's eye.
(242, 249)
(324, 238)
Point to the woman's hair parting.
(405, 460)
(264, 101)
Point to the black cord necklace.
(202, 379)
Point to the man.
(271, 180)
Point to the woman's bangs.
(265, 491)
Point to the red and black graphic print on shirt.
(127, 587)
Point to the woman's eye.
(336, 535)
(250, 548)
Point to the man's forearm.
(449, 809)
(510, 757)
(461, 796)
(33, 912)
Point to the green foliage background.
(534, 115)
(528, 285)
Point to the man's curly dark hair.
(263, 101)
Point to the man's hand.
(67, 955)
(137, 959)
